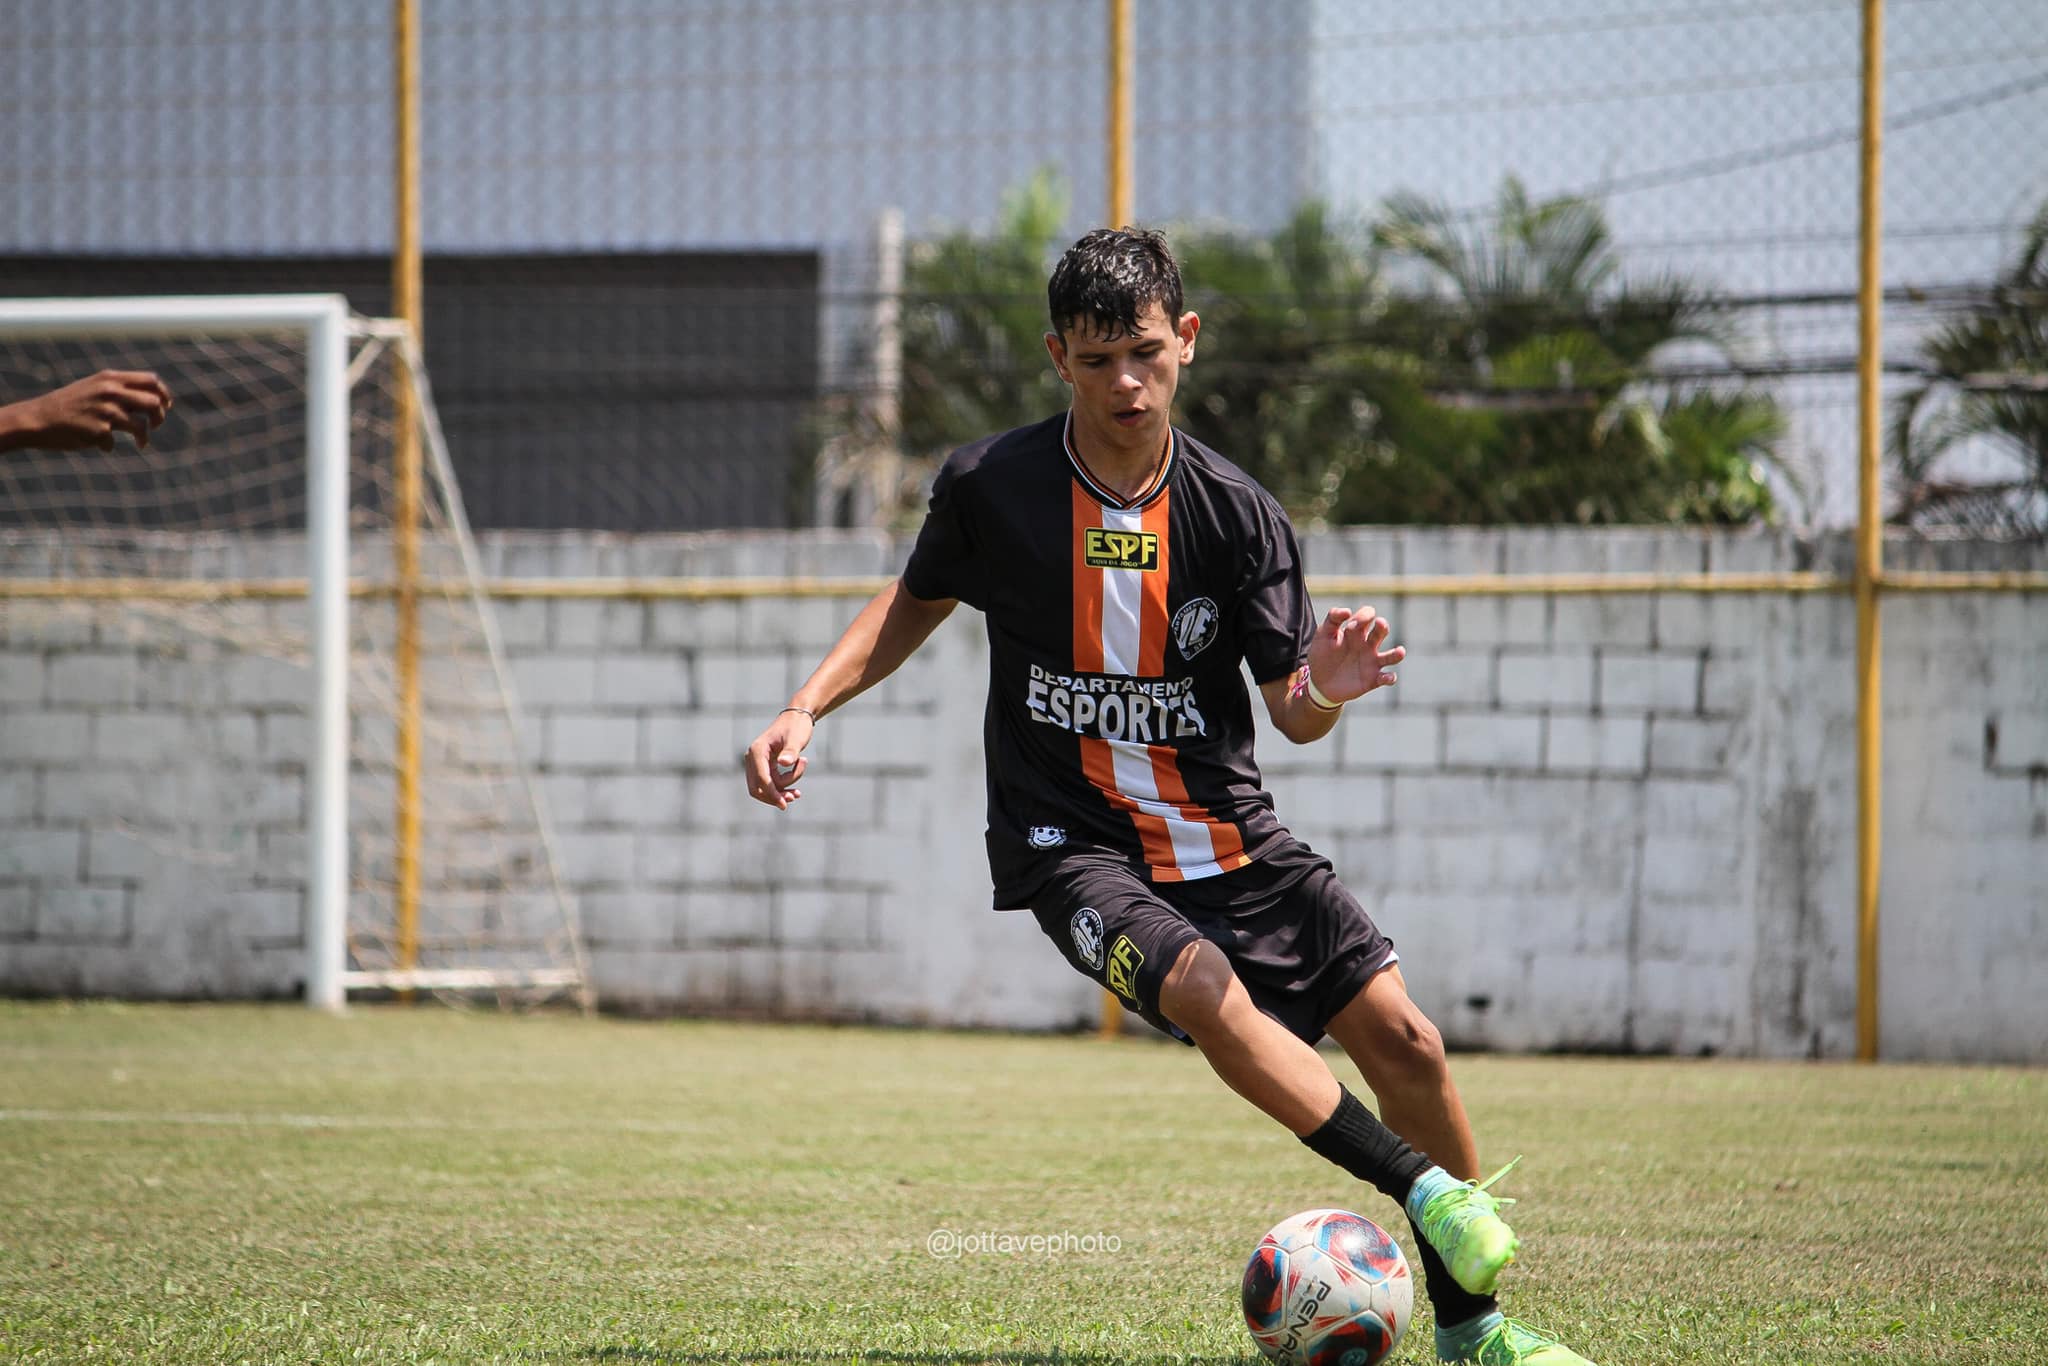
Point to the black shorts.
(1296, 937)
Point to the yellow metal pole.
(405, 302)
(1869, 539)
(1112, 1023)
(1119, 113)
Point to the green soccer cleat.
(1512, 1343)
(1464, 1226)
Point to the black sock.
(1452, 1302)
(1354, 1139)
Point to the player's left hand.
(1346, 658)
(775, 763)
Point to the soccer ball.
(1328, 1288)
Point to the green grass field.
(200, 1184)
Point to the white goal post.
(318, 332)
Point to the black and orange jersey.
(1118, 720)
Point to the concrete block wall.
(1588, 822)
(867, 899)
(152, 806)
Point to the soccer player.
(1126, 574)
(87, 412)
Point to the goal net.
(209, 639)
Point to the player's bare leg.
(1401, 1056)
(1255, 1056)
(1267, 1065)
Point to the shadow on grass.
(662, 1357)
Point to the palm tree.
(1287, 380)
(1423, 373)
(974, 323)
(1986, 385)
(1528, 327)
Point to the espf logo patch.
(1087, 931)
(1194, 626)
(1124, 962)
(1107, 548)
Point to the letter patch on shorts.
(1124, 962)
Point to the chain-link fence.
(759, 263)
(664, 238)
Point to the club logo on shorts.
(1087, 929)
(1107, 548)
(1124, 962)
(1047, 836)
(1194, 626)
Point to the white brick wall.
(1439, 677)
(1588, 822)
(51, 856)
(1597, 744)
(1404, 737)
(1493, 740)
(1631, 680)
(30, 736)
(1546, 678)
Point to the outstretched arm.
(87, 413)
(887, 632)
(1345, 662)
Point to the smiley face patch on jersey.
(1110, 548)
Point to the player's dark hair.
(1109, 277)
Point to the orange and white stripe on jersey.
(1120, 627)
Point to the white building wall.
(265, 126)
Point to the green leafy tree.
(1288, 379)
(1986, 385)
(974, 325)
(1425, 372)
(1539, 363)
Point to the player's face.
(1123, 385)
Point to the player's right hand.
(774, 762)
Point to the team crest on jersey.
(1047, 836)
(1194, 626)
(1087, 929)
(1108, 548)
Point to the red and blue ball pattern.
(1327, 1288)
